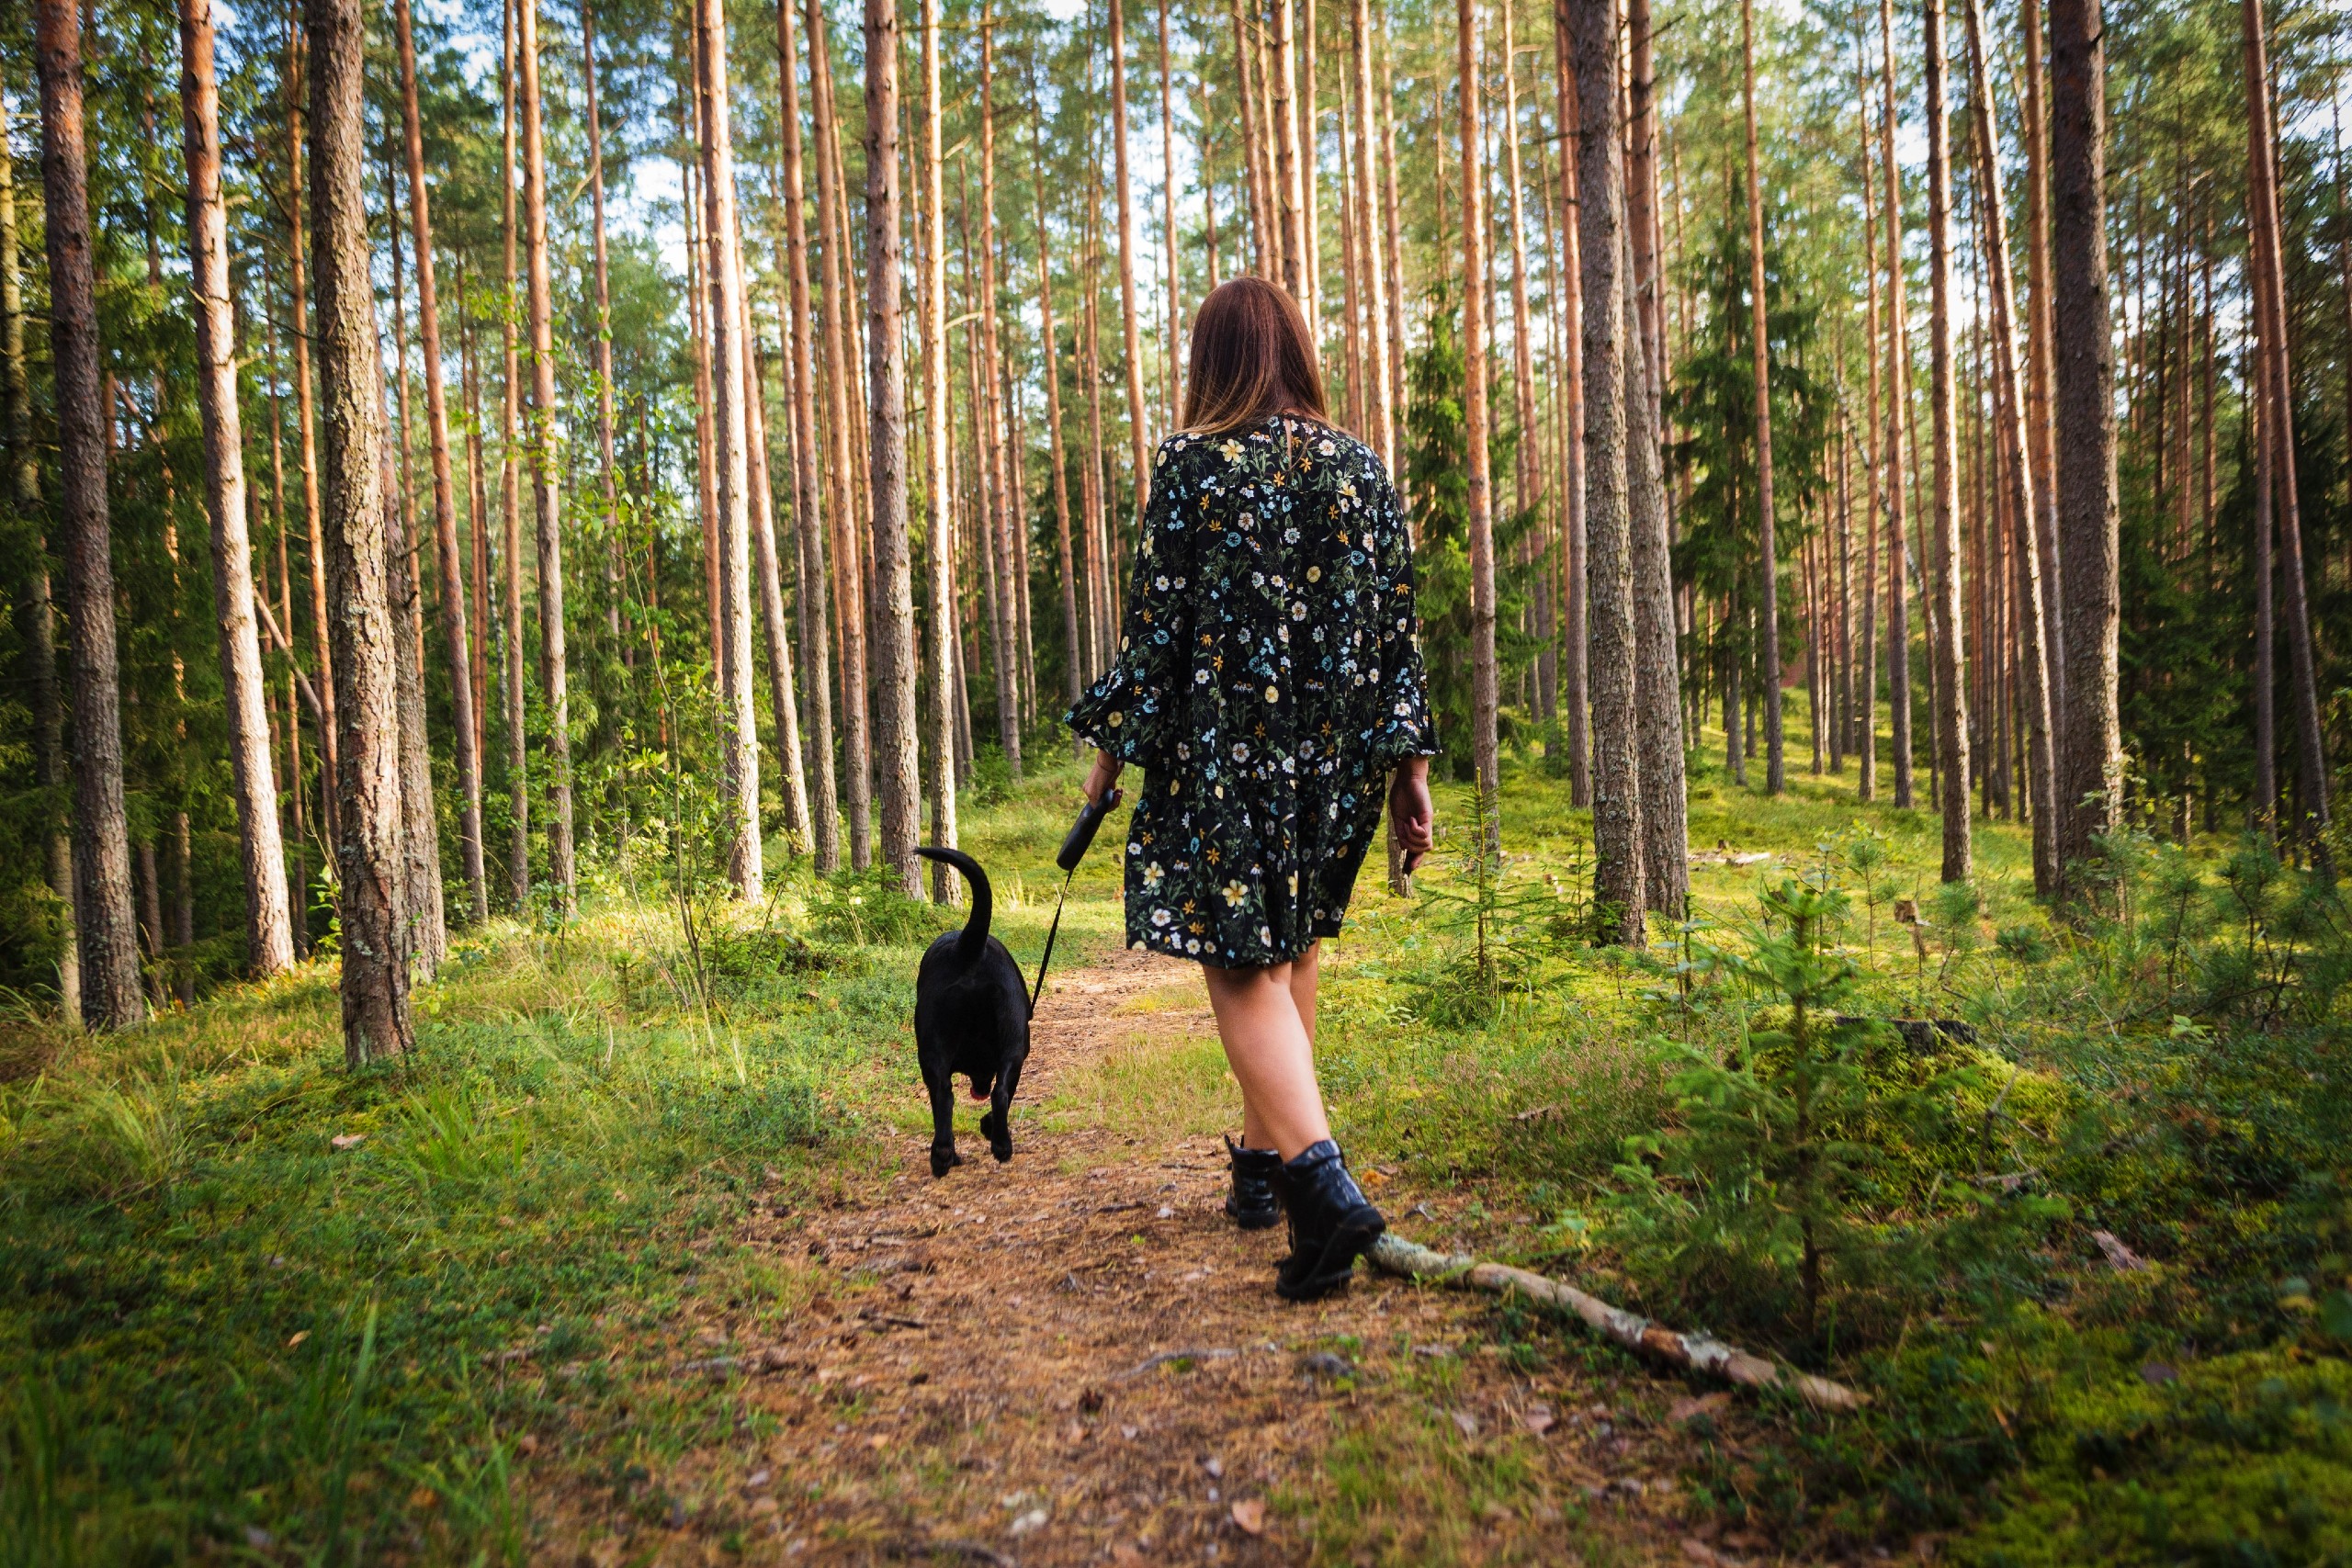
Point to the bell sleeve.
(1138, 710)
(1398, 723)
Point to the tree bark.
(305, 410)
(1381, 403)
(376, 1017)
(1139, 426)
(1618, 838)
(554, 672)
(1657, 676)
(1575, 677)
(782, 688)
(932, 297)
(808, 470)
(2040, 425)
(2090, 780)
(849, 571)
(1485, 697)
(2017, 468)
(1951, 652)
(518, 778)
(106, 929)
(739, 721)
(1768, 663)
(444, 505)
(1076, 668)
(269, 940)
(885, 383)
(2278, 428)
(1174, 357)
(1866, 678)
(993, 482)
(1527, 485)
(603, 333)
(1898, 399)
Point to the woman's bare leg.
(1305, 974)
(1272, 1054)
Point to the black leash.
(1073, 850)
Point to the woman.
(1269, 686)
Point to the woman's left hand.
(1102, 776)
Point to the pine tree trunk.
(1392, 243)
(269, 941)
(1139, 426)
(1768, 663)
(1575, 616)
(1175, 348)
(1898, 382)
(518, 780)
(737, 715)
(106, 929)
(993, 483)
(2090, 780)
(1640, 194)
(298, 257)
(1657, 675)
(1618, 840)
(554, 668)
(2013, 415)
(1101, 620)
(2278, 428)
(604, 389)
(1253, 150)
(808, 469)
(1527, 488)
(444, 505)
(885, 382)
(376, 1017)
(1484, 694)
(931, 298)
(1283, 104)
(783, 687)
(849, 568)
(424, 926)
(1380, 401)
(1866, 678)
(1951, 665)
(1077, 668)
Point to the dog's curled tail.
(975, 938)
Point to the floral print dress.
(1269, 680)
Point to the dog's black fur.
(971, 1017)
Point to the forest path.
(986, 1370)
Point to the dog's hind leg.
(944, 1157)
(998, 1122)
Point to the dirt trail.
(1077, 1358)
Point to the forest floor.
(1077, 1358)
(637, 1260)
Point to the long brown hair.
(1251, 358)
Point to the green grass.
(217, 1328)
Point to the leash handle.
(1074, 846)
(1081, 833)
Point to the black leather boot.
(1253, 1204)
(1331, 1224)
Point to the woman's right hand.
(1412, 816)
(1102, 776)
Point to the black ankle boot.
(1331, 1224)
(1252, 1203)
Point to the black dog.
(971, 1017)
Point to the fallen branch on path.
(1690, 1352)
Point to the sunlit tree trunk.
(444, 504)
(1658, 664)
(1574, 666)
(1381, 392)
(1076, 668)
(2040, 427)
(2278, 428)
(1866, 681)
(738, 717)
(306, 413)
(2017, 470)
(1290, 238)
(808, 469)
(269, 941)
(1139, 424)
(1951, 653)
(376, 1016)
(931, 298)
(1768, 663)
(849, 571)
(1618, 881)
(1392, 243)
(518, 778)
(1898, 383)
(885, 382)
(1174, 373)
(106, 929)
(1485, 696)
(782, 688)
(2090, 778)
(994, 482)
(1527, 487)
(1308, 102)
(1254, 152)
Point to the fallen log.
(1688, 1352)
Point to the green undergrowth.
(2087, 1253)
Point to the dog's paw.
(945, 1160)
(999, 1136)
